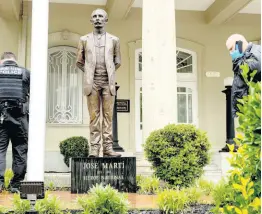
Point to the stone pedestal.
(120, 173)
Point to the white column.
(159, 65)
(37, 121)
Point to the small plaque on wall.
(123, 105)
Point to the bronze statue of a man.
(99, 57)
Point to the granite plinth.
(120, 173)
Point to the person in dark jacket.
(14, 117)
(242, 52)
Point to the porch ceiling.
(222, 11)
(10, 9)
(215, 11)
(254, 7)
(195, 5)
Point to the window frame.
(188, 80)
(80, 93)
(138, 74)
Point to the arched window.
(64, 87)
(187, 105)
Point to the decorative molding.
(64, 37)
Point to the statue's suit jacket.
(86, 60)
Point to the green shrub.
(74, 147)
(175, 200)
(148, 184)
(8, 177)
(49, 205)
(3, 210)
(193, 194)
(245, 177)
(104, 200)
(20, 206)
(206, 186)
(172, 201)
(178, 153)
(222, 194)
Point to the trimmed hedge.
(74, 147)
(178, 153)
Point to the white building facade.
(174, 63)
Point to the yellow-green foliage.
(20, 206)
(8, 176)
(104, 200)
(175, 200)
(245, 177)
(206, 186)
(148, 184)
(49, 205)
(3, 210)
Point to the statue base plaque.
(120, 173)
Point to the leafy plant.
(245, 177)
(172, 201)
(51, 186)
(49, 205)
(74, 147)
(175, 200)
(20, 206)
(139, 178)
(222, 195)
(193, 194)
(148, 184)
(104, 200)
(206, 186)
(3, 210)
(178, 153)
(8, 177)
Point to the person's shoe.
(94, 152)
(14, 190)
(111, 153)
(14, 187)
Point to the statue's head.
(99, 18)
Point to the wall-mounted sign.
(123, 105)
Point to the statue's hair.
(105, 13)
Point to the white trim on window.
(65, 91)
(138, 71)
(193, 86)
(187, 80)
(138, 122)
(188, 76)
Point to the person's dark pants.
(16, 130)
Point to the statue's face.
(99, 18)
